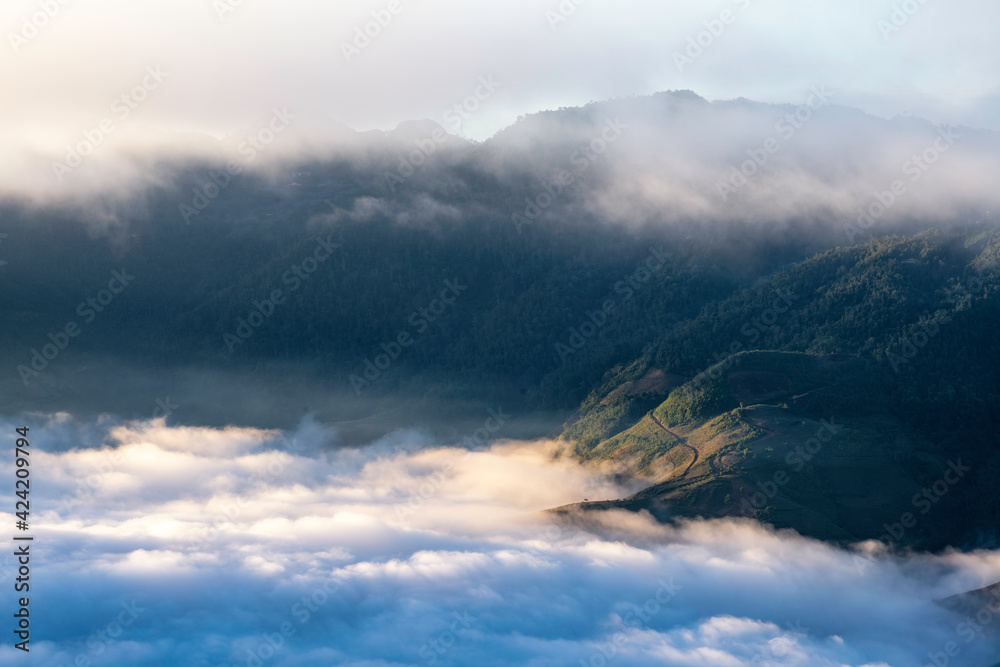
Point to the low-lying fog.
(164, 544)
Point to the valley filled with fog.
(242, 546)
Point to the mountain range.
(776, 312)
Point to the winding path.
(682, 441)
(795, 398)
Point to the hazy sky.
(228, 63)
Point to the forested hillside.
(891, 338)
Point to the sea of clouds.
(165, 545)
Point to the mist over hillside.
(667, 158)
(660, 204)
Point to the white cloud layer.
(159, 545)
